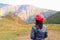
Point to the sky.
(47, 4)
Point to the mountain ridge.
(25, 12)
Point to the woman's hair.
(39, 23)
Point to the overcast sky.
(47, 4)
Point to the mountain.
(3, 5)
(25, 12)
(14, 18)
(54, 19)
(28, 15)
(48, 13)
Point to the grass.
(53, 26)
(10, 30)
(53, 19)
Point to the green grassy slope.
(54, 19)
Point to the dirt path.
(52, 35)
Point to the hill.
(25, 12)
(54, 19)
(12, 18)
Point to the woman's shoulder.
(44, 26)
(34, 27)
